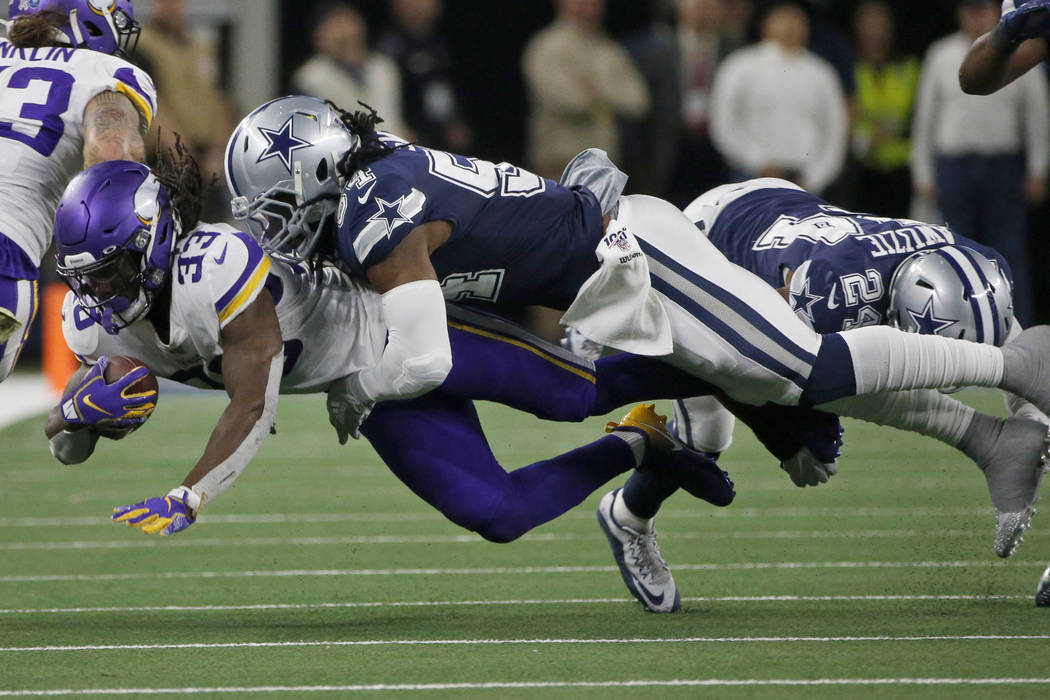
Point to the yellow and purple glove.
(95, 403)
(161, 516)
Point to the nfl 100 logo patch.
(25, 5)
(622, 241)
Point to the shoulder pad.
(221, 268)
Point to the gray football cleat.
(1026, 366)
(1042, 591)
(1013, 467)
(642, 567)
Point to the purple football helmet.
(108, 26)
(115, 235)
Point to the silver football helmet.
(281, 168)
(952, 291)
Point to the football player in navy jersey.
(202, 304)
(840, 270)
(423, 226)
(68, 99)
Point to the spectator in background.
(346, 71)
(777, 110)
(186, 73)
(883, 106)
(428, 99)
(580, 83)
(649, 145)
(702, 44)
(738, 16)
(982, 158)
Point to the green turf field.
(320, 573)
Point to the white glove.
(806, 470)
(347, 407)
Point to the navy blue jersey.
(851, 257)
(516, 238)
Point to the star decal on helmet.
(802, 301)
(928, 322)
(282, 143)
(390, 214)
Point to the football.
(118, 366)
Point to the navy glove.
(1029, 20)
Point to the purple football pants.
(436, 446)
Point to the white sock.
(886, 359)
(624, 516)
(924, 411)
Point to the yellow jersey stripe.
(254, 282)
(525, 346)
(138, 100)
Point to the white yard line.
(701, 512)
(528, 642)
(527, 601)
(505, 571)
(23, 396)
(148, 543)
(495, 685)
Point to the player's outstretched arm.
(1007, 52)
(89, 405)
(418, 355)
(113, 129)
(252, 364)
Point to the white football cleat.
(641, 565)
(1042, 591)
(1014, 470)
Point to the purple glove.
(162, 516)
(1029, 20)
(98, 404)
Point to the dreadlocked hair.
(361, 123)
(37, 30)
(179, 172)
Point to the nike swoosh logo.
(364, 198)
(222, 256)
(89, 402)
(831, 297)
(655, 599)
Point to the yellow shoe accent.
(645, 418)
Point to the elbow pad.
(73, 446)
(418, 355)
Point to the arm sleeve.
(418, 355)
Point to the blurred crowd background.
(856, 100)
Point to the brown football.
(118, 366)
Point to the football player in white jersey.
(68, 99)
(1016, 45)
(207, 307)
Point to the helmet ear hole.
(322, 170)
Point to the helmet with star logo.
(952, 291)
(283, 175)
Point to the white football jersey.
(331, 325)
(43, 93)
